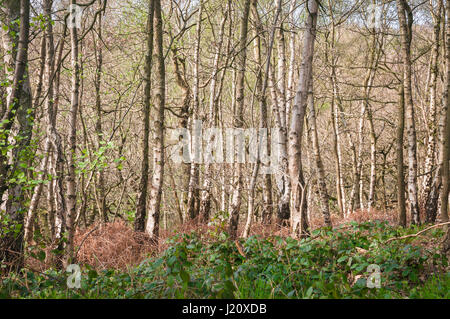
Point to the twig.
(84, 239)
(419, 233)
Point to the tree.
(445, 129)
(405, 17)
(429, 188)
(212, 119)
(152, 226)
(446, 135)
(11, 247)
(141, 209)
(74, 104)
(194, 179)
(299, 222)
(238, 120)
(321, 182)
(261, 89)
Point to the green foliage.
(330, 264)
(98, 159)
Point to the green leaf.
(184, 276)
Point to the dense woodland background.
(357, 89)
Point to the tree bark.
(321, 181)
(299, 222)
(71, 178)
(430, 161)
(406, 21)
(194, 192)
(400, 166)
(238, 121)
(445, 146)
(141, 209)
(261, 88)
(205, 204)
(11, 246)
(152, 226)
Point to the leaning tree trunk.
(299, 221)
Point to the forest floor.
(202, 262)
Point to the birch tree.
(152, 225)
(299, 222)
(11, 245)
(238, 120)
(405, 17)
(141, 209)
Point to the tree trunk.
(71, 178)
(152, 226)
(445, 154)
(400, 166)
(238, 121)
(205, 204)
(141, 209)
(299, 222)
(406, 21)
(100, 192)
(261, 88)
(11, 246)
(321, 182)
(193, 192)
(446, 136)
(335, 111)
(430, 162)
